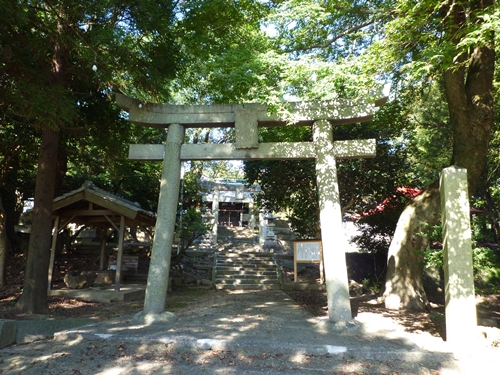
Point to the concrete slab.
(8, 330)
(40, 329)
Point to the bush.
(192, 228)
(485, 264)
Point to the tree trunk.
(9, 176)
(3, 243)
(404, 286)
(469, 91)
(34, 297)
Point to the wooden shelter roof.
(92, 206)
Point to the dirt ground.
(92, 356)
(488, 308)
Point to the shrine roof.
(91, 205)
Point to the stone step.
(246, 270)
(244, 257)
(232, 273)
(249, 254)
(246, 281)
(221, 262)
(245, 260)
(236, 275)
(248, 287)
(242, 270)
(245, 273)
(241, 263)
(245, 240)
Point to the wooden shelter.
(98, 208)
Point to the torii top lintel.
(340, 111)
(246, 118)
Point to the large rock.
(189, 280)
(84, 280)
(207, 283)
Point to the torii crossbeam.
(247, 118)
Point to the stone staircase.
(246, 270)
(236, 238)
(240, 264)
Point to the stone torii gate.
(217, 187)
(246, 119)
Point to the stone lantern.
(271, 240)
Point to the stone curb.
(25, 331)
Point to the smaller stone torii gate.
(239, 191)
(246, 119)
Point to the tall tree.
(3, 244)
(49, 49)
(460, 37)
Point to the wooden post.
(119, 259)
(53, 251)
(102, 259)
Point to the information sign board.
(307, 251)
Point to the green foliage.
(374, 285)
(59, 62)
(432, 232)
(224, 52)
(427, 135)
(485, 264)
(190, 228)
(481, 229)
(287, 185)
(486, 267)
(332, 30)
(433, 258)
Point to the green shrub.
(485, 264)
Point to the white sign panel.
(308, 251)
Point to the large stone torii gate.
(247, 118)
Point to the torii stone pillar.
(461, 318)
(332, 232)
(215, 212)
(251, 216)
(159, 269)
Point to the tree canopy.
(440, 49)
